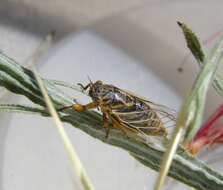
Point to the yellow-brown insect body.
(127, 112)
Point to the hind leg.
(116, 124)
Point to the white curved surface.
(129, 51)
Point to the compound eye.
(91, 85)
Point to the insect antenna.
(89, 79)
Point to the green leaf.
(194, 45)
(192, 111)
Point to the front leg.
(80, 107)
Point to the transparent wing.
(145, 122)
(166, 114)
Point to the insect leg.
(80, 107)
(116, 124)
(106, 124)
(83, 87)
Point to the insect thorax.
(115, 98)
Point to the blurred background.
(135, 45)
(27, 22)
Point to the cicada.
(127, 112)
